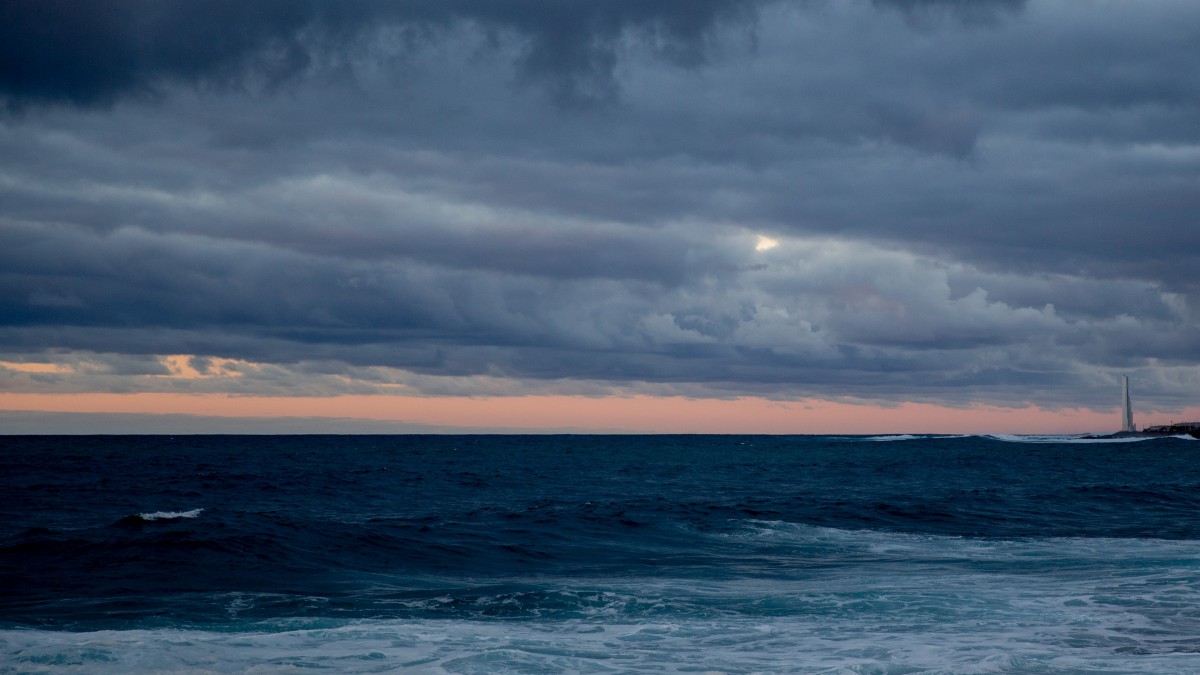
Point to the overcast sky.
(934, 201)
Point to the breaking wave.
(170, 515)
(923, 553)
(1079, 438)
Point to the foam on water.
(934, 554)
(968, 626)
(815, 540)
(170, 515)
(907, 603)
(1079, 438)
(913, 437)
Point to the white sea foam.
(904, 625)
(893, 603)
(1077, 438)
(915, 604)
(914, 437)
(170, 515)
(914, 546)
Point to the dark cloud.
(816, 319)
(969, 11)
(938, 200)
(95, 52)
(87, 53)
(34, 422)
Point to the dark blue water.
(599, 553)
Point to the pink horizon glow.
(618, 414)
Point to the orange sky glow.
(616, 414)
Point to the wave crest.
(819, 540)
(1077, 438)
(915, 437)
(170, 515)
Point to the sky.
(717, 216)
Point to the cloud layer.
(972, 201)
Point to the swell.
(213, 549)
(1071, 439)
(149, 529)
(751, 568)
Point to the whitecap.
(965, 631)
(1077, 438)
(915, 437)
(170, 515)
(914, 547)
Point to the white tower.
(1127, 409)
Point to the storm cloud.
(930, 200)
(94, 52)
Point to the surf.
(919, 553)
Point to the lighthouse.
(1127, 408)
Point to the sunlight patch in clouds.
(36, 367)
(191, 367)
(765, 243)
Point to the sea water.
(599, 554)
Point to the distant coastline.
(1181, 429)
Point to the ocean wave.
(1025, 438)
(915, 437)
(867, 633)
(170, 515)
(1078, 438)
(910, 546)
(528, 603)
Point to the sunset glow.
(637, 414)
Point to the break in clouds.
(936, 200)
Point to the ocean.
(599, 554)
